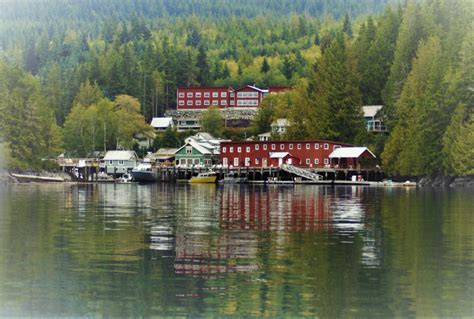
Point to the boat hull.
(145, 177)
(204, 179)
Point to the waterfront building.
(308, 153)
(201, 149)
(163, 157)
(119, 162)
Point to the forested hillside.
(76, 64)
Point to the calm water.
(138, 250)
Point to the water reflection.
(151, 250)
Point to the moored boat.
(231, 178)
(34, 178)
(207, 177)
(144, 173)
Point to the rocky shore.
(447, 181)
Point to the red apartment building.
(274, 153)
(200, 98)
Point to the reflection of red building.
(200, 98)
(274, 153)
(272, 209)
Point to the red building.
(200, 98)
(274, 153)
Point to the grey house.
(120, 162)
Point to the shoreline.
(423, 182)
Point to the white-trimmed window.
(247, 161)
(207, 94)
(273, 147)
(181, 94)
(316, 146)
(215, 94)
(111, 162)
(223, 94)
(298, 146)
(232, 94)
(247, 149)
(257, 147)
(290, 146)
(198, 94)
(206, 102)
(215, 102)
(225, 162)
(326, 147)
(224, 149)
(231, 149)
(223, 102)
(326, 161)
(232, 102)
(282, 147)
(239, 149)
(308, 146)
(256, 161)
(265, 147)
(236, 161)
(181, 102)
(189, 102)
(190, 94)
(316, 161)
(198, 102)
(308, 161)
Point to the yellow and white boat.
(207, 177)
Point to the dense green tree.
(346, 26)
(88, 94)
(265, 66)
(27, 123)
(334, 95)
(374, 64)
(457, 140)
(412, 30)
(415, 145)
(212, 121)
(204, 73)
(458, 143)
(365, 64)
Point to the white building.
(161, 123)
(119, 162)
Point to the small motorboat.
(231, 178)
(207, 177)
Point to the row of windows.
(247, 94)
(206, 102)
(199, 94)
(282, 147)
(247, 102)
(248, 161)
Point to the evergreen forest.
(85, 76)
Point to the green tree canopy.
(212, 121)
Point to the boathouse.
(352, 158)
(119, 162)
(308, 153)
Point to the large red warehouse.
(313, 153)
